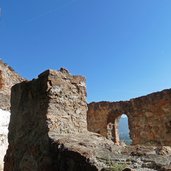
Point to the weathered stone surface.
(67, 110)
(8, 78)
(55, 102)
(87, 152)
(48, 131)
(149, 118)
(166, 168)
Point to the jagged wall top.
(149, 118)
(8, 77)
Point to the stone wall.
(41, 109)
(149, 118)
(8, 78)
(67, 110)
(48, 127)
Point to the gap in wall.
(124, 130)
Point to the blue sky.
(122, 47)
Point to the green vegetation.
(116, 167)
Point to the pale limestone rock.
(4, 121)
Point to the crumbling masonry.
(41, 110)
(48, 125)
(149, 118)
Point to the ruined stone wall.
(8, 78)
(41, 109)
(149, 118)
(67, 94)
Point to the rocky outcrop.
(8, 78)
(149, 118)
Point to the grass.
(116, 167)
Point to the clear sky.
(122, 47)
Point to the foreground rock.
(101, 154)
(8, 78)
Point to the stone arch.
(112, 126)
(148, 118)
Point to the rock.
(166, 168)
(4, 121)
(48, 131)
(163, 150)
(149, 118)
(8, 78)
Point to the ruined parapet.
(149, 118)
(41, 109)
(67, 106)
(8, 78)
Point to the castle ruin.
(149, 118)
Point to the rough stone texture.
(8, 78)
(149, 118)
(48, 131)
(53, 103)
(67, 109)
